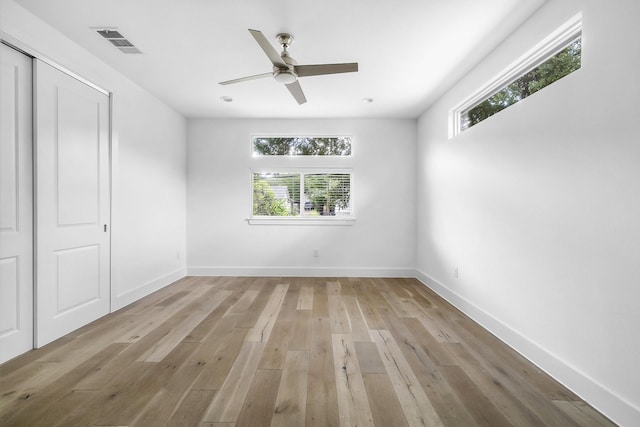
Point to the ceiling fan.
(285, 68)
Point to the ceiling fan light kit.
(284, 76)
(286, 70)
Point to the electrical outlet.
(316, 253)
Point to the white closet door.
(72, 204)
(16, 205)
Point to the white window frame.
(544, 50)
(301, 219)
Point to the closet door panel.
(16, 204)
(73, 204)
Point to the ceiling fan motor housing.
(285, 75)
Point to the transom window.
(301, 146)
(555, 57)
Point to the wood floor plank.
(322, 401)
(369, 358)
(265, 289)
(156, 315)
(192, 408)
(353, 404)
(52, 365)
(69, 410)
(244, 302)
(417, 408)
(30, 410)
(228, 402)
(397, 304)
(99, 379)
(291, 402)
(140, 306)
(359, 328)
(433, 321)
(521, 366)
(583, 414)
(168, 398)
(369, 299)
(524, 391)
(214, 320)
(448, 406)
(217, 370)
(515, 411)
(199, 311)
(153, 317)
(301, 335)
(436, 350)
(481, 408)
(276, 349)
(416, 293)
(288, 309)
(338, 316)
(305, 300)
(127, 394)
(15, 366)
(385, 407)
(261, 331)
(257, 409)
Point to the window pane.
(327, 194)
(302, 146)
(276, 194)
(563, 63)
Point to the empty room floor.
(239, 351)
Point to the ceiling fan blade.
(271, 53)
(316, 70)
(246, 79)
(296, 91)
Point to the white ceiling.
(409, 51)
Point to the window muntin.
(555, 57)
(301, 146)
(308, 194)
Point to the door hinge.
(105, 228)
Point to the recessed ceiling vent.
(114, 37)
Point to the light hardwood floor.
(224, 351)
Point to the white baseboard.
(604, 400)
(122, 300)
(301, 272)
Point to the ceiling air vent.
(114, 37)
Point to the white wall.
(149, 163)
(382, 241)
(539, 208)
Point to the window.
(298, 179)
(301, 146)
(307, 195)
(557, 56)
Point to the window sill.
(301, 221)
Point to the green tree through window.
(556, 67)
(265, 202)
(328, 191)
(322, 194)
(302, 146)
